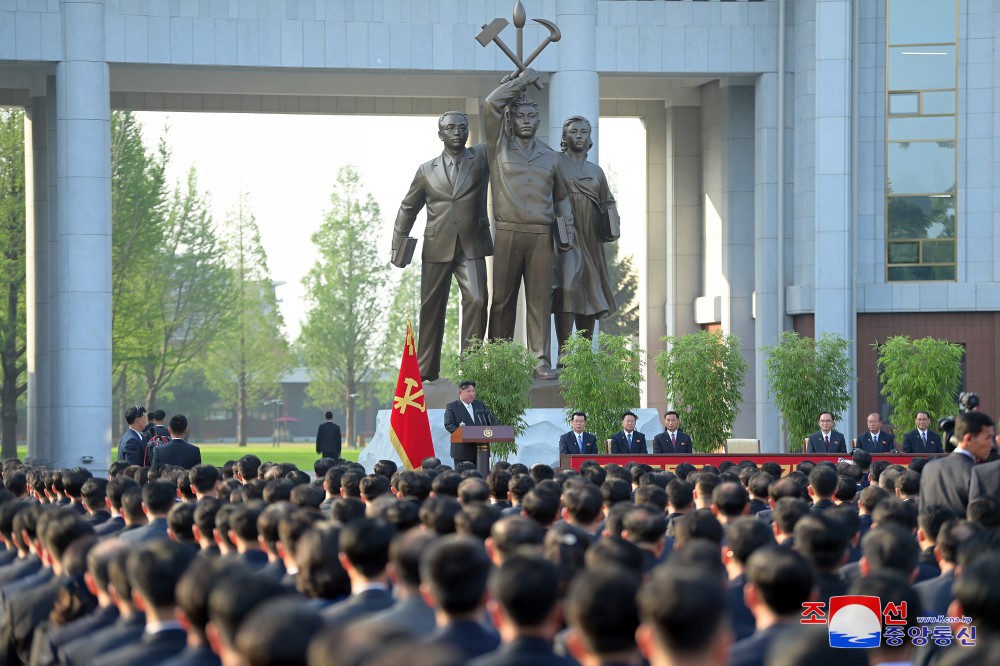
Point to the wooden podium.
(482, 437)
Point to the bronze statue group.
(553, 213)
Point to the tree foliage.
(342, 338)
(603, 383)
(704, 374)
(12, 275)
(249, 356)
(138, 205)
(806, 377)
(625, 282)
(504, 372)
(918, 375)
(187, 291)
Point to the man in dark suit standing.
(946, 481)
(177, 451)
(628, 439)
(576, 441)
(466, 411)
(457, 238)
(826, 439)
(328, 438)
(672, 440)
(922, 439)
(874, 440)
(130, 444)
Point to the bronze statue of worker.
(456, 239)
(532, 216)
(583, 290)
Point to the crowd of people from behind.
(257, 564)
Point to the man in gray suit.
(456, 240)
(945, 481)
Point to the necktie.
(673, 438)
(629, 437)
(827, 442)
(471, 413)
(923, 436)
(453, 172)
(875, 440)
(579, 442)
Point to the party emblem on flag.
(409, 429)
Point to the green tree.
(918, 375)
(13, 328)
(138, 209)
(806, 377)
(504, 372)
(342, 338)
(622, 275)
(603, 383)
(704, 374)
(249, 356)
(187, 287)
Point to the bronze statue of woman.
(583, 292)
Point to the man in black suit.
(453, 575)
(130, 444)
(364, 554)
(628, 439)
(157, 499)
(154, 569)
(524, 607)
(779, 580)
(683, 613)
(672, 440)
(457, 238)
(874, 440)
(177, 451)
(576, 441)
(466, 411)
(409, 614)
(946, 481)
(922, 439)
(328, 438)
(826, 439)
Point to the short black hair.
(132, 413)
(366, 544)
(204, 477)
(783, 578)
(159, 496)
(822, 539)
(321, 575)
(155, 567)
(278, 632)
(746, 535)
(630, 413)
(456, 568)
(466, 383)
(685, 606)
(229, 605)
(526, 585)
(601, 607)
(583, 414)
(891, 547)
(328, 416)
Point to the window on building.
(921, 129)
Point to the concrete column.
(52, 182)
(769, 276)
(83, 344)
(574, 88)
(670, 280)
(834, 253)
(37, 278)
(738, 255)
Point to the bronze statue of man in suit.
(456, 239)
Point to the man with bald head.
(876, 440)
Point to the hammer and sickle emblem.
(409, 399)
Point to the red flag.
(409, 429)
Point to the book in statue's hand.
(403, 254)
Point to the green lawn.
(303, 455)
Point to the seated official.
(826, 439)
(876, 440)
(628, 439)
(576, 441)
(672, 440)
